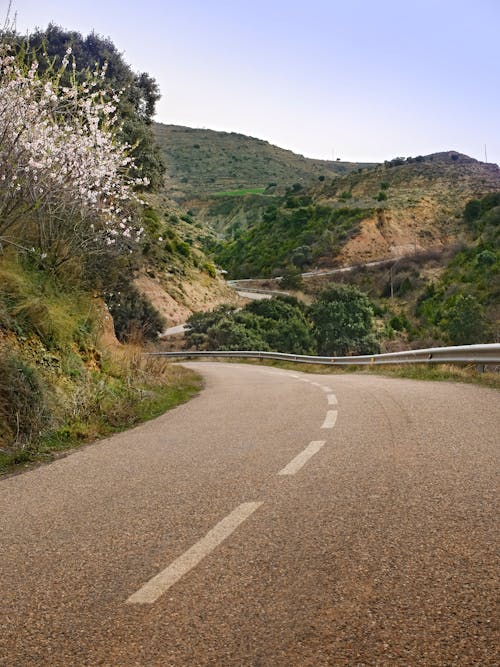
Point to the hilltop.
(203, 162)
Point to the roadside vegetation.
(77, 164)
(339, 322)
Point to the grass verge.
(132, 389)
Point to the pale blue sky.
(355, 79)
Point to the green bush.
(133, 315)
(291, 278)
(24, 412)
(183, 248)
(209, 268)
(240, 333)
(464, 321)
(343, 322)
(279, 324)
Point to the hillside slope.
(419, 203)
(203, 162)
(391, 210)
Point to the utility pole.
(485, 154)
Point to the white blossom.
(59, 151)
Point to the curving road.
(278, 518)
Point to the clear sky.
(363, 80)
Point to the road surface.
(240, 283)
(278, 518)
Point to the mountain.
(202, 162)
(390, 210)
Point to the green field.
(239, 193)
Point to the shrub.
(486, 258)
(464, 321)
(343, 321)
(23, 409)
(232, 334)
(209, 268)
(133, 315)
(346, 195)
(472, 210)
(183, 248)
(291, 278)
(278, 324)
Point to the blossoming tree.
(65, 184)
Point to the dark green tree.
(133, 315)
(286, 327)
(236, 334)
(279, 324)
(342, 316)
(464, 321)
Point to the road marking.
(330, 419)
(328, 389)
(156, 586)
(304, 456)
(332, 399)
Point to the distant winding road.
(277, 519)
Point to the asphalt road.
(278, 518)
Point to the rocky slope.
(419, 203)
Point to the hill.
(204, 162)
(402, 206)
(418, 203)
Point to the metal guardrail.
(461, 354)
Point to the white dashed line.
(332, 399)
(328, 389)
(156, 586)
(304, 456)
(330, 419)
